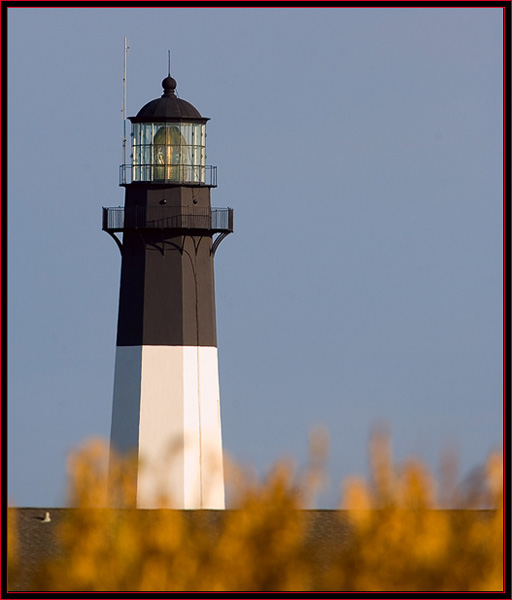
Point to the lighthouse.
(166, 405)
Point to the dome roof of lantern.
(168, 107)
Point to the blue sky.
(361, 150)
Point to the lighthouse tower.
(166, 386)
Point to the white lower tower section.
(167, 409)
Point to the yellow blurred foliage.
(13, 546)
(398, 539)
(403, 542)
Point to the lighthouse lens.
(169, 152)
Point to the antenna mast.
(126, 47)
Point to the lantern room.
(169, 143)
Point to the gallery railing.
(214, 220)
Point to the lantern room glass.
(173, 152)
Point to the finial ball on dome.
(169, 85)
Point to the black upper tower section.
(170, 231)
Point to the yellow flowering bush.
(396, 538)
(401, 541)
(13, 546)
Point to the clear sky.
(361, 150)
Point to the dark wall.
(167, 292)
